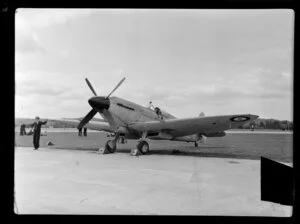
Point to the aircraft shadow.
(205, 152)
(176, 152)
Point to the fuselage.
(126, 112)
(122, 112)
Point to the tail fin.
(201, 114)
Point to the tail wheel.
(111, 146)
(143, 146)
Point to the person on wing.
(36, 127)
(156, 109)
(158, 112)
(151, 107)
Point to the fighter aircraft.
(129, 120)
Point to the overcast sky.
(185, 61)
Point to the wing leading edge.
(189, 126)
(93, 125)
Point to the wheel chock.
(49, 143)
(135, 152)
(103, 151)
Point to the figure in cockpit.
(158, 112)
(156, 109)
(151, 106)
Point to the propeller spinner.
(98, 103)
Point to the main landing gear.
(110, 145)
(142, 147)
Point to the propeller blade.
(87, 118)
(91, 87)
(117, 86)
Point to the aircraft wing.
(93, 125)
(189, 126)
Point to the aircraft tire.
(111, 146)
(196, 144)
(143, 147)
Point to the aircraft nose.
(99, 102)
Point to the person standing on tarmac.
(36, 127)
(79, 131)
(85, 131)
(22, 129)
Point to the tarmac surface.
(62, 181)
(276, 145)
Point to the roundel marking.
(240, 118)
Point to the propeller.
(117, 86)
(87, 118)
(98, 103)
(91, 87)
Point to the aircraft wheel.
(111, 146)
(196, 144)
(143, 147)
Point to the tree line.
(268, 124)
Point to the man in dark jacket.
(36, 126)
(84, 131)
(22, 129)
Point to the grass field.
(233, 145)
